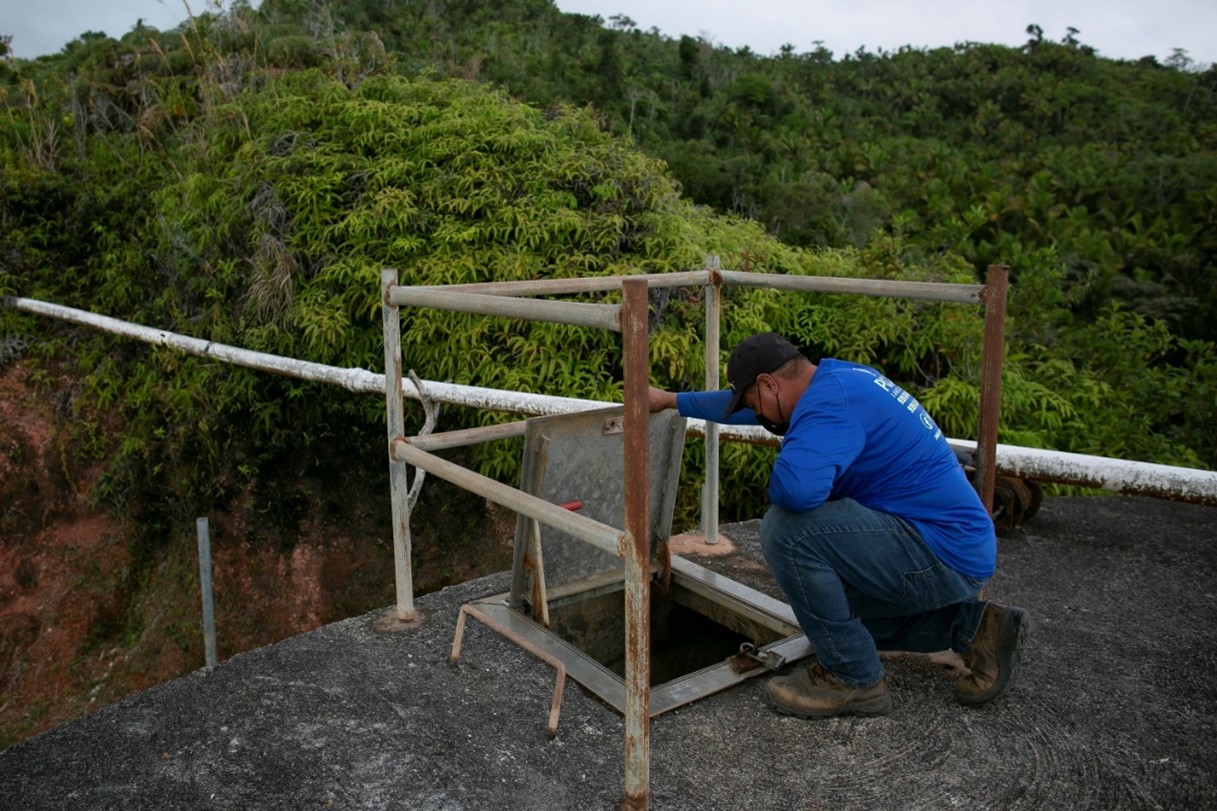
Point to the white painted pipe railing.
(1121, 476)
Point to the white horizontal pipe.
(1162, 481)
(1117, 475)
(352, 379)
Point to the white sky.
(1117, 29)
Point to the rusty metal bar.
(469, 436)
(602, 316)
(555, 705)
(399, 483)
(599, 535)
(522, 561)
(637, 553)
(533, 552)
(554, 287)
(714, 313)
(994, 349)
(929, 291)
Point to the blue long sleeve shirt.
(856, 434)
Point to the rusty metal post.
(399, 483)
(996, 284)
(714, 310)
(636, 550)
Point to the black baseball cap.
(757, 355)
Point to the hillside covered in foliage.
(245, 178)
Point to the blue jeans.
(860, 581)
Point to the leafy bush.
(251, 194)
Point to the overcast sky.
(1118, 29)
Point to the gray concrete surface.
(1115, 709)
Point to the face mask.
(778, 428)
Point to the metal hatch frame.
(568, 660)
(576, 458)
(630, 318)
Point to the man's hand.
(660, 399)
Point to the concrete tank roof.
(1116, 707)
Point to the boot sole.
(1016, 625)
(880, 705)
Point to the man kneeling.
(875, 535)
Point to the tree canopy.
(245, 178)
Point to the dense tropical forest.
(244, 179)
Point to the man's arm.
(660, 399)
(705, 405)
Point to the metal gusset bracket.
(555, 706)
(431, 413)
(750, 657)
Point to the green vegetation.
(244, 180)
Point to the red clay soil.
(77, 631)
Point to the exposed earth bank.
(81, 625)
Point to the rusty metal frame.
(991, 295)
(475, 610)
(497, 613)
(633, 544)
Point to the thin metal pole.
(714, 309)
(996, 283)
(604, 316)
(580, 527)
(469, 436)
(554, 287)
(399, 484)
(926, 291)
(637, 552)
(555, 705)
(209, 616)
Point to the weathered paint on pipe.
(637, 553)
(1141, 478)
(469, 436)
(602, 536)
(399, 480)
(601, 316)
(500, 400)
(555, 287)
(1100, 472)
(1116, 475)
(714, 314)
(360, 380)
(928, 291)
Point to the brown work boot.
(816, 693)
(994, 654)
